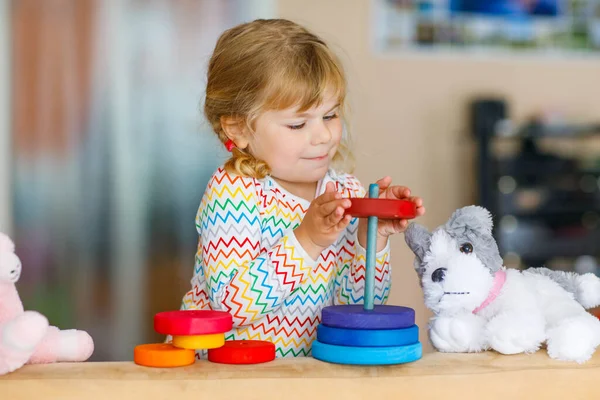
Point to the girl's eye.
(330, 117)
(296, 127)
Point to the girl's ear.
(236, 130)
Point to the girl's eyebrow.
(305, 114)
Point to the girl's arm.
(241, 272)
(350, 278)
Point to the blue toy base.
(367, 337)
(366, 355)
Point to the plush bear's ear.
(6, 244)
(474, 218)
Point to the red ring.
(192, 322)
(243, 352)
(382, 208)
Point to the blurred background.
(104, 154)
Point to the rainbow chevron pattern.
(250, 264)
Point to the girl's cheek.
(339, 133)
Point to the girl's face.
(298, 147)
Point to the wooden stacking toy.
(193, 330)
(243, 352)
(368, 334)
(162, 355)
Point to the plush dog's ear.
(474, 218)
(418, 240)
(474, 224)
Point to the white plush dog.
(478, 304)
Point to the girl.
(275, 246)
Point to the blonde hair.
(270, 65)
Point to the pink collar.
(499, 280)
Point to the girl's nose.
(321, 134)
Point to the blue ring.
(354, 316)
(367, 337)
(366, 355)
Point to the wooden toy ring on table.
(192, 322)
(356, 317)
(196, 342)
(162, 355)
(243, 352)
(367, 337)
(382, 208)
(366, 355)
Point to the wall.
(5, 205)
(409, 114)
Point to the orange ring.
(162, 355)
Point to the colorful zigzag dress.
(250, 264)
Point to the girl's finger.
(399, 192)
(330, 187)
(343, 223)
(383, 184)
(334, 218)
(327, 197)
(392, 227)
(327, 208)
(417, 200)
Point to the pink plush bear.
(25, 336)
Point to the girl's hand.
(323, 222)
(386, 228)
(390, 227)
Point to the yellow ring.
(198, 342)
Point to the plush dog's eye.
(466, 248)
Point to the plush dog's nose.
(438, 275)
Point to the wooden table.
(436, 376)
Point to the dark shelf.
(551, 247)
(551, 203)
(536, 130)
